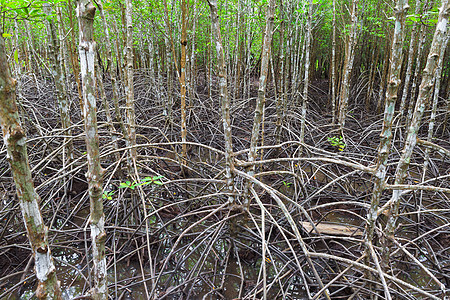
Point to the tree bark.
(129, 88)
(333, 68)
(259, 109)
(85, 14)
(307, 65)
(115, 87)
(386, 132)
(348, 66)
(15, 142)
(425, 90)
(224, 102)
(183, 81)
(411, 51)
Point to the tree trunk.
(416, 79)
(386, 132)
(333, 68)
(85, 14)
(348, 66)
(307, 65)
(15, 142)
(60, 83)
(425, 90)
(129, 88)
(115, 87)
(259, 109)
(409, 68)
(183, 82)
(224, 101)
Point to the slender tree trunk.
(109, 118)
(15, 142)
(409, 68)
(307, 65)
(129, 88)
(425, 90)
(115, 87)
(372, 74)
(333, 67)
(348, 66)
(192, 71)
(386, 132)
(437, 85)
(73, 52)
(416, 79)
(282, 97)
(381, 94)
(224, 101)
(85, 14)
(259, 109)
(183, 81)
(60, 83)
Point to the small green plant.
(337, 141)
(108, 195)
(152, 180)
(128, 184)
(145, 181)
(287, 184)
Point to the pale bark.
(192, 74)
(437, 85)
(85, 14)
(115, 87)
(17, 64)
(129, 88)
(282, 97)
(411, 51)
(416, 78)
(60, 83)
(15, 141)
(183, 81)
(109, 119)
(333, 67)
(348, 66)
(260, 101)
(73, 52)
(386, 132)
(381, 92)
(224, 101)
(425, 90)
(307, 65)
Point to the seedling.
(152, 180)
(145, 181)
(108, 195)
(337, 141)
(287, 184)
(128, 184)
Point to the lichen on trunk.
(15, 142)
(85, 14)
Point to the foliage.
(145, 181)
(338, 142)
(287, 184)
(107, 195)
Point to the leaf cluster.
(338, 142)
(145, 181)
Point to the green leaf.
(123, 185)
(16, 56)
(6, 35)
(158, 182)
